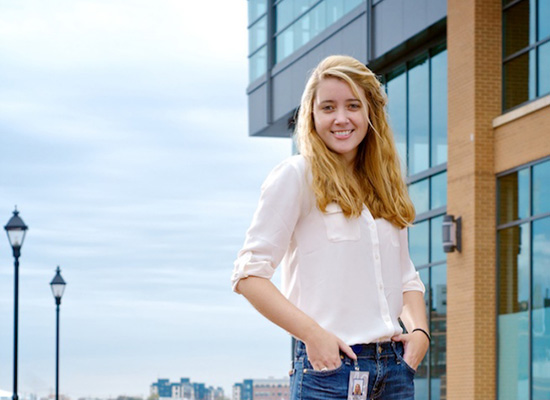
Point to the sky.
(124, 144)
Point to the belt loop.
(394, 348)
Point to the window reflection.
(418, 101)
(438, 143)
(438, 329)
(524, 284)
(299, 21)
(419, 243)
(541, 188)
(541, 309)
(513, 194)
(420, 195)
(526, 27)
(397, 111)
(544, 68)
(421, 377)
(436, 247)
(438, 192)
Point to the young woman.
(335, 217)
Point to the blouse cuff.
(245, 267)
(414, 284)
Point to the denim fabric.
(390, 377)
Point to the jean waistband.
(367, 350)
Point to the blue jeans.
(390, 378)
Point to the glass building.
(468, 83)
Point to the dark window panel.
(519, 80)
(513, 195)
(519, 33)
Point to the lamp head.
(16, 230)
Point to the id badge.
(358, 384)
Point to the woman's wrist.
(423, 331)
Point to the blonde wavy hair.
(377, 181)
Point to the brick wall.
(474, 71)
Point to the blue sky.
(124, 144)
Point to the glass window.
(541, 310)
(541, 188)
(258, 64)
(438, 192)
(524, 284)
(417, 110)
(256, 8)
(439, 108)
(544, 69)
(397, 111)
(421, 377)
(419, 117)
(543, 19)
(438, 330)
(526, 27)
(299, 21)
(518, 33)
(419, 243)
(436, 247)
(519, 79)
(513, 194)
(420, 195)
(513, 320)
(257, 34)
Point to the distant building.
(185, 389)
(262, 389)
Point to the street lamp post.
(16, 230)
(58, 287)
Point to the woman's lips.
(341, 135)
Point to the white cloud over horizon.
(123, 134)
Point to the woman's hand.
(415, 346)
(323, 350)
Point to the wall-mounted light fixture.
(452, 236)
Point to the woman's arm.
(323, 348)
(413, 316)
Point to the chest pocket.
(339, 228)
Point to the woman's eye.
(355, 106)
(328, 108)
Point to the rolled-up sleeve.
(269, 234)
(411, 278)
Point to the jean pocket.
(407, 366)
(327, 372)
(339, 227)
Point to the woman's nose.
(341, 117)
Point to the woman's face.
(339, 118)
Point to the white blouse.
(349, 275)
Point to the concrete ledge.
(521, 111)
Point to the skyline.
(123, 129)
